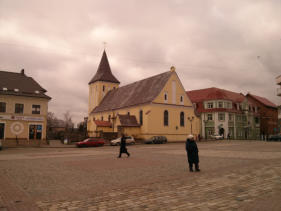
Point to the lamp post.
(190, 119)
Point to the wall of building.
(17, 124)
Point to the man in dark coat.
(192, 153)
(123, 148)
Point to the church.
(155, 106)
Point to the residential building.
(150, 107)
(23, 108)
(278, 82)
(226, 113)
(268, 112)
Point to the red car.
(91, 142)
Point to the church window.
(109, 118)
(166, 118)
(182, 119)
(166, 97)
(103, 88)
(129, 113)
(101, 118)
(141, 113)
(181, 100)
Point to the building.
(278, 82)
(150, 107)
(226, 113)
(23, 109)
(268, 112)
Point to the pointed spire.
(104, 72)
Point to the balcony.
(279, 92)
(278, 80)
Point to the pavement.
(235, 175)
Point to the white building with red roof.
(226, 113)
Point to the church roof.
(140, 92)
(104, 72)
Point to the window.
(257, 120)
(244, 118)
(103, 88)
(228, 105)
(209, 117)
(221, 116)
(182, 119)
(109, 118)
(141, 112)
(101, 118)
(166, 97)
(230, 117)
(128, 113)
(166, 118)
(210, 105)
(220, 104)
(2, 107)
(181, 100)
(35, 109)
(19, 108)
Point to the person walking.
(123, 148)
(192, 153)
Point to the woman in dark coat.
(123, 148)
(192, 153)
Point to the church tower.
(102, 82)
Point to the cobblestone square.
(235, 175)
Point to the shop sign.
(22, 118)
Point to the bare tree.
(68, 120)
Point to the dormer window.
(220, 104)
(16, 90)
(37, 92)
(5, 89)
(210, 105)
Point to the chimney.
(172, 69)
(22, 72)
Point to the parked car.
(91, 142)
(216, 136)
(129, 140)
(157, 140)
(275, 137)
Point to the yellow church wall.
(23, 120)
(96, 92)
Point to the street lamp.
(190, 119)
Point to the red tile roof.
(214, 94)
(103, 123)
(263, 100)
(104, 72)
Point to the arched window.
(141, 117)
(166, 118)
(101, 118)
(109, 117)
(182, 119)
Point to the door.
(2, 130)
(35, 131)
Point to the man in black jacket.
(192, 153)
(123, 148)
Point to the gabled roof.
(104, 72)
(26, 86)
(139, 92)
(103, 123)
(128, 120)
(263, 100)
(214, 94)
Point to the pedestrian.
(123, 148)
(192, 153)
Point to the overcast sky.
(233, 45)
